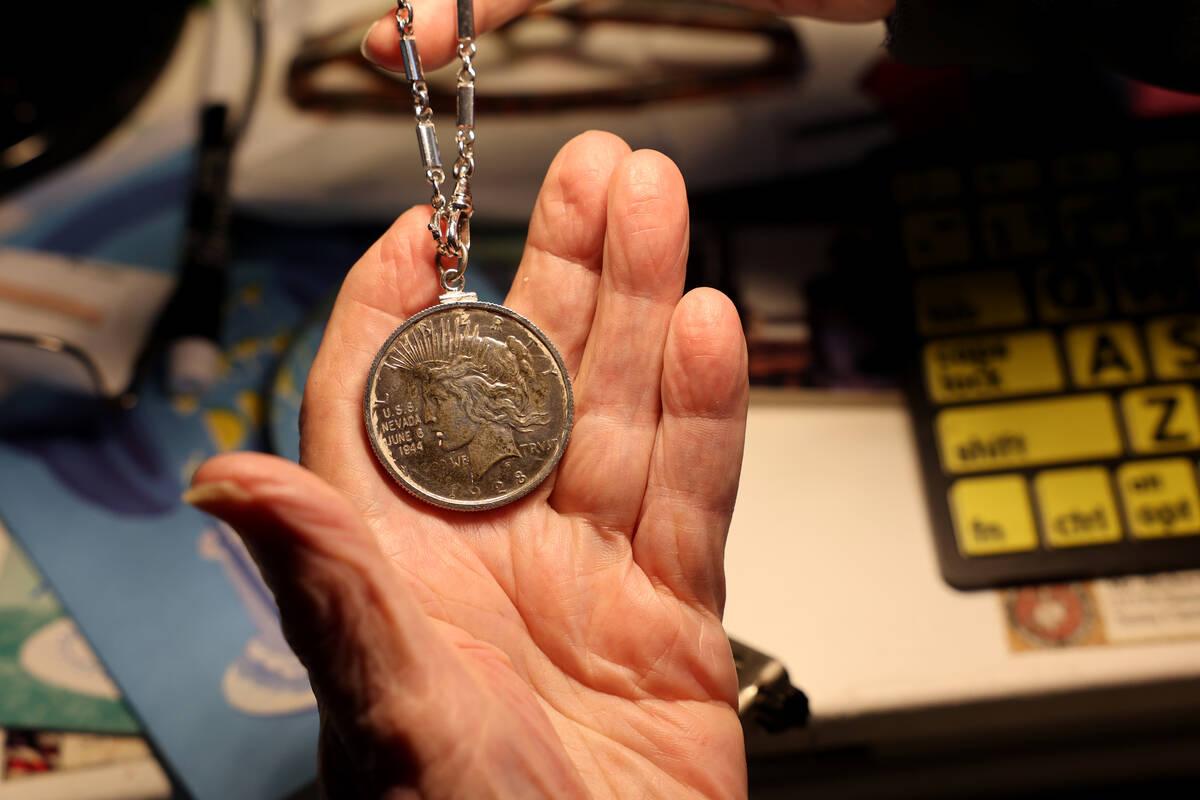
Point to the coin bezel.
(447, 502)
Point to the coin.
(468, 405)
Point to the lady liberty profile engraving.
(474, 391)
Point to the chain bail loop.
(453, 279)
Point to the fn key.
(992, 515)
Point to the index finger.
(436, 28)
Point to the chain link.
(450, 223)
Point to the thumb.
(373, 657)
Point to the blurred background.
(912, 245)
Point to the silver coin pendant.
(468, 405)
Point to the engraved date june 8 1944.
(468, 405)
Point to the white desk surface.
(831, 568)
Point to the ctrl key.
(992, 515)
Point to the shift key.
(1027, 433)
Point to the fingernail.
(362, 48)
(215, 493)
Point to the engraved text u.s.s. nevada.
(468, 405)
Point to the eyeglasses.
(592, 54)
(49, 385)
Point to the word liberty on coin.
(468, 404)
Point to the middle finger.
(557, 282)
(602, 476)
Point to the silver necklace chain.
(451, 221)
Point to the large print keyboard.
(1057, 354)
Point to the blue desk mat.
(165, 594)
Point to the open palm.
(568, 644)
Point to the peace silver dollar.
(468, 405)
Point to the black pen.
(193, 317)
(191, 324)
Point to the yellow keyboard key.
(1092, 219)
(937, 183)
(1160, 498)
(1077, 507)
(1167, 158)
(1069, 292)
(1106, 354)
(1027, 433)
(970, 302)
(1149, 282)
(1018, 228)
(992, 515)
(1097, 166)
(1014, 175)
(1170, 212)
(1174, 344)
(1161, 418)
(936, 238)
(989, 366)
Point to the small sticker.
(1136, 609)
(1052, 616)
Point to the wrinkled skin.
(568, 644)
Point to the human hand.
(568, 644)
(436, 27)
